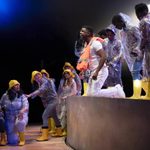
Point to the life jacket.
(83, 62)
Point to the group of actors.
(101, 55)
(14, 106)
(99, 66)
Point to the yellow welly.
(44, 136)
(3, 141)
(58, 133)
(52, 125)
(21, 139)
(137, 87)
(85, 84)
(146, 87)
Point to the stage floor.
(32, 132)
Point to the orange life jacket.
(83, 62)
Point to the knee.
(21, 125)
(44, 116)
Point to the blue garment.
(136, 69)
(12, 122)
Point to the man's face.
(139, 15)
(119, 25)
(110, 35)
(84, 33)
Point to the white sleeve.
(96, 45)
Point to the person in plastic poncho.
(67, 88)
(143, 15)
(114, 54)
(131, 40)
(97, 66)
(16, 113)
(47, 92)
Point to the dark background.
(36, 34)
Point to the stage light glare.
(137, 83)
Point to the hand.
(81, 75)
(135, 52)
(2, 108)
(94, 77)
(110, 63)
(64, 97)
(28, 95)
(20, 116)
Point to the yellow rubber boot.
(21, 139)
(137, 87)
(58, 133)
(52, 125)
(3, 141)
(146, 87)
(64, 132)
(85, 84)
(49, 124)
(44, 136)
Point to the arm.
(25, 107)
(135, 48)
(138, 37)
(118, 48)
(102, 54)
(39, 91)
(73, 88)
(33, 94)
(144, 28)
(77, 80)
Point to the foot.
(120, 92)
(42, 138)
(21, 143)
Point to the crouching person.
(16, 113)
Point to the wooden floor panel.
(32, 132)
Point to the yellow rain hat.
(43, 71)
(67, 64)
(13, 83)
(70, 72)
